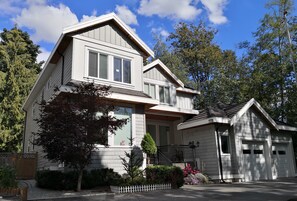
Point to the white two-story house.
(108, 52)
(237, 142)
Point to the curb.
(71, 196)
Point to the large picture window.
(164, 94)
(122, 70)
(98, 65)
(123, 136)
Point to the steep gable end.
(158, 71)
(109, 32)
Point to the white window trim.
(169, 91)
(98, 64)
(150, 84)
(229, 145)
(110, 137)
(110, 66)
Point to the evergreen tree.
(18, 70)
(268, 59)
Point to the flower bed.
(139, 188)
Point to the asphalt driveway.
(281, 190)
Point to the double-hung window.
(150, 89)
(122, 70)
(98, 65)
(164, 94)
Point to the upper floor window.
(98, 65)
(164, 94)
(150, 89)
(122, 70)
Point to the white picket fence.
(139, 188)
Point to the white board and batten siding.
(110, 33)
(111, 41)
(207, 151)
(177, 99)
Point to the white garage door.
(280, 161)
(254, 164)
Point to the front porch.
(171, 148)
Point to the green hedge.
(161, 174)
(58, 180)
(7, 177)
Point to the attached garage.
(259, 148)
(254, 161)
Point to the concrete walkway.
(277, 190)
(35, 193)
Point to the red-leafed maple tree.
(71, 124)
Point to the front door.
(160, 133)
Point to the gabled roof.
(104, 18)
(227, 114)
(165, 69)
(64, 41)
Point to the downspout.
(62, 74)
(219, 151)
(24, 133)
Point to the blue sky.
(44, 20)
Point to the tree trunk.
(80, 175)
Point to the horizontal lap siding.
(68, 64)
(110, 157)
(207, 151)
(251, 126)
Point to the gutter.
(219, 151)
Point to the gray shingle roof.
(220, 110)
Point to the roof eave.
(212, 120)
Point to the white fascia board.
(122, 97)
(192, 124)
(41, 75)
(246, 107)
(107, 17)
(186, 90)
(168, 108)
(286, 128)
(167, 70)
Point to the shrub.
(132, 165)
(165, 174)
(67, 180)
(7, 177)
(148, 145)
(189, 170)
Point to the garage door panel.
(254, 164)
(280, 161)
